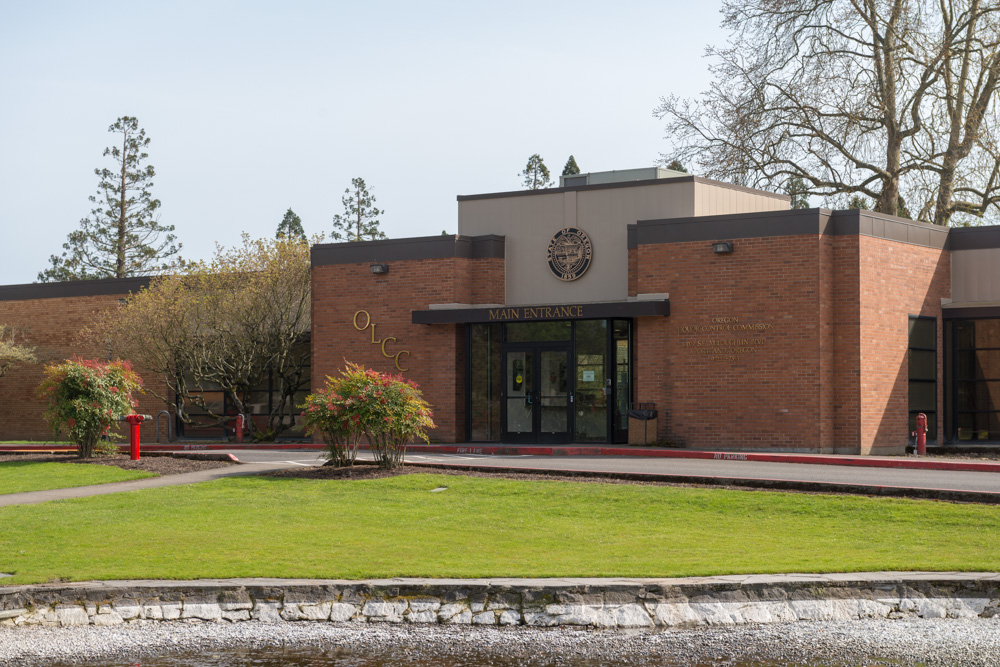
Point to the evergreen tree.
(859, 202)
(360, 219)
(901, 209)
(290, 226)
(796, 189)
(536, 175)
(677, 166)
(121, 237)
(571, 168)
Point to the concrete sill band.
(590, 603)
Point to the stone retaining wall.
(530, 603)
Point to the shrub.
(85, 397)
(387, 409)
(327, 415)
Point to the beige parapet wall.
(599, 603)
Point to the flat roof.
(624, 184)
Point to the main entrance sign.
(576, 311)
(569, 253)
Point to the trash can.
(642, 424)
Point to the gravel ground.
(161, 465)
(901, 642)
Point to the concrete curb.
(901, 462)
(601, 603)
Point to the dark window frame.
(955, 380)
(912, 413)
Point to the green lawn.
(270, 527)
(21, 476)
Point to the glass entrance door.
(537, 394)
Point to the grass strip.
(22, 476)
(271, 527)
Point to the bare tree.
(958, 144)
(12, 351)
(227, 326)
(846, 95)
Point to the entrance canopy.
(565, 311)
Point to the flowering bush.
(387, 409)
(86, 397)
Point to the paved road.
(799, 472)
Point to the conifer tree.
(290, 227)
(536, 175)
(360, 218)
(677, 166)
(571, 168)
(799, 193)
(122, 235)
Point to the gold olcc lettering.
(368, 319)
(398, 355)
(384, 341)
(368, 324)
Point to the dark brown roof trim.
(974, 238)
(623, 184)
(879, 225)
(727, 227)
(795, 222)
(75, 288)
(416, 248)
(970, 312)
(542, 313)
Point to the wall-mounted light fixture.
(722, 247)
(380, 269)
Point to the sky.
(253, 108)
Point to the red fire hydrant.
(239, 428)
(134, 421)
(921, 434)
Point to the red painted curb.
(585, 450)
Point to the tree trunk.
(122, 204)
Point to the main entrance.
(549, 382)
(537, 394)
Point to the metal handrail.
(170, 436)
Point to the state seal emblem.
(569, 253)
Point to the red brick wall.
(437, 352)
(827, 374)
(768, 398)
(53, 326)
(897, 280)
(846, 351)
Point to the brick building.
(749, 326)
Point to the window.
(923, 373)
(977, 379)
(484, 382)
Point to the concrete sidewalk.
(33, 497)
(901, 462)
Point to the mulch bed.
(161, 465)
(364, 470)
